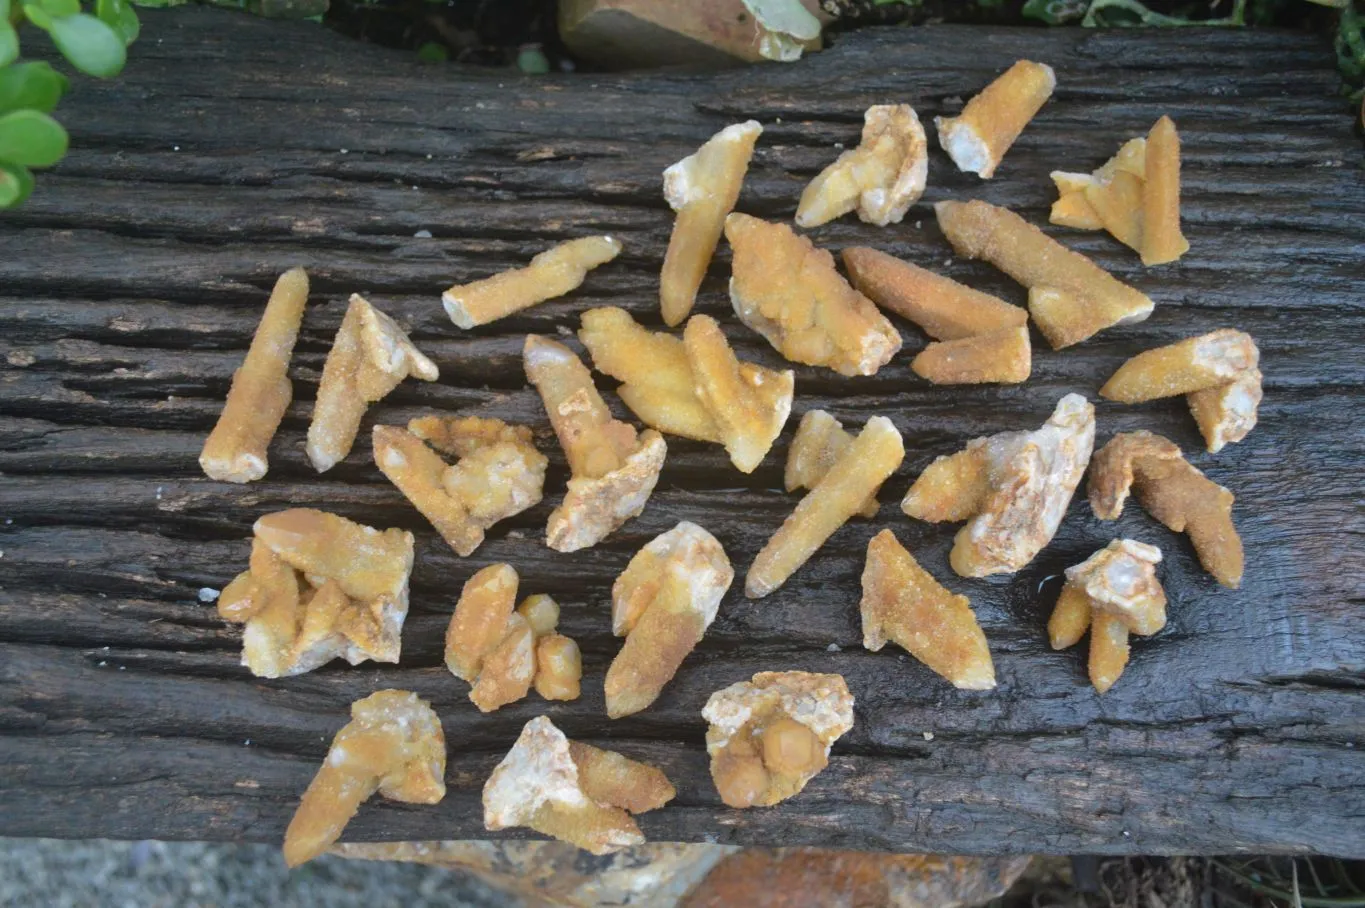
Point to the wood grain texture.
(233, 148)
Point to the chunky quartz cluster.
(319, 587)
(572, 792)
(1012, 488)
(771, 735)
(1174, 492)
(881, 178)
(1113, 593)
(503, 649)
(819, 443)
(1218, 373)
(499, 473)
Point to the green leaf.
(36, 86)
(1055, 12)
(159, 4)
(4, 10)
(431, 52)
(532, 61)
(34, 13)
(90, 45)
(60, 9)
(31, 138)
(16, 183)
(119, 15)
(9, 42)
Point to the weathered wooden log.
(233, 148)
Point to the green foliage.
(1350, 45)
(432, 52)
(93, 43)
(1121, 13)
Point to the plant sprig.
(93, 43)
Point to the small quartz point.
(881, 178)
(1162, 240)
(787, 290)
(771, 735)
(1114, 592)
(236, 448)
(1217, 372)
(943, 308)
(662, 604)
(1015, 486)
(749, 404)
(1070, 297)
(554, 272)
(658, 384)
(842, 492)
(369, 357)
(1173, 492)
(820, 441)
(1000, 357)
(540, 785)
(978, 138)
(319, 587)
(501, 474)
(614, 470)
(702, 188)
(394, 745)
(904, 604)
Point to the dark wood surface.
(233, 148)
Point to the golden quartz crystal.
(554, 272)
(662, 604)
(881, 178)
(1172, 491)
(500, 473)
(369, 357)
(319, 587)
(702, 188)
(842, 492)
(820, 441)
(904, 604)
(1112, 593)
(1070, 297)
(572, 792)
(787, 290)
(1014, 486)
(393, 745)
(978, 138)
(614, 470)
(236, 448)
(1217, 372)
(768, 737)
(1002, 357)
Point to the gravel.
(49, 873)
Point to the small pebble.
(919, 224)
(246, 743)
(928, 736)
(208, 594)
(833, 648)
(345, 151)
(423, 234)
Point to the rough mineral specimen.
(1070, 297)
(820, 441)
(659, 386)
(881, 178)
(1217, 372)
(613, 470)
(1135, 196)
(787, 290)
(943, 308)
(978, 138)
(394, 745)
(771, 735)
(500, 474)
(502, 652)
(662, 604)
(319, 587)
(1003, 357)
(1113, 592)
(904, 604)
(702, 188)
(542, 785)
(1015, 486)
(552, 273)
(1173, 492)
(369, 357)
(750, 404)
(236, 448)
(842, 492)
